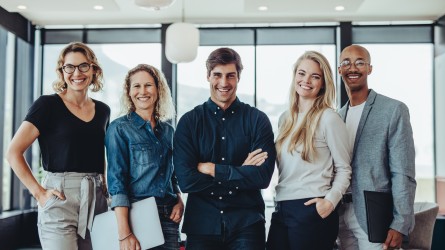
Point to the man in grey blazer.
(383, 157)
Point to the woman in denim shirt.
(139, 154)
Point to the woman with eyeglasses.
(70, 128)
(313, 159)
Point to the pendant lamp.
(181, 41)
(154, 4)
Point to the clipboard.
(379, 215)
(144, 222)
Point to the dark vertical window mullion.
(3, 45)
(23, 92)
(255, 67)
(345, 40)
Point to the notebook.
(144, 221)
(379, 206)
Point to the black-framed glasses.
(346, 64)
(83, 67)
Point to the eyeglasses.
(346, 64)
(83, 67)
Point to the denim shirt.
(232, 199)
(140, 161)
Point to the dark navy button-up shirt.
(140, 163)
(233, 197)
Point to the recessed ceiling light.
(21, 7)
(263, 8)
(98, 7)
(339, 8)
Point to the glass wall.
(268, 55)
(8, 118)
(405, 72)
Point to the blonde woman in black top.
(70, 127)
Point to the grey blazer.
(383, 158)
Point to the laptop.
(144, 221)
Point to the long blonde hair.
(306, 131)
(164, 108)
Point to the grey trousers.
(351, 236)
(65, 224)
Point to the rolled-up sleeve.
(118, 167)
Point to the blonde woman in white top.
(313, 159)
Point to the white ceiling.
(231, 12)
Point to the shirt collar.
(233, 108)
(139, 122)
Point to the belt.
(87, 182)
(87, 204)
(347, 198)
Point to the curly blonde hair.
(164, 108)
(96, 84)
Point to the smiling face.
(355, 76)
(143, 93)
(308, 79)
(223, 81)
(77, 81)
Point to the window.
(8, 119)
(405, 72)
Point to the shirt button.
(223, 119)
(222, 158)
(217, 107)
(222, 212)
(215, 112)
(162, 191)
(160, 156)
(211, 193)
(219, 182)
(236, 187)
(220, 198)
(233, 112)
(223, 137)
(230, 192)
(157, 142)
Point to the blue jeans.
(252, 237)
(170, 229)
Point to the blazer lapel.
(368, 106)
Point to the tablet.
(144, 222)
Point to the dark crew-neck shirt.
(233, 197)
(67, 143)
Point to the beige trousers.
(65, 224)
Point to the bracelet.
(125, 237)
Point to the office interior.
(408, 58)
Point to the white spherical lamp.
(181, 42)
(154, 4)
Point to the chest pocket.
(143, 154)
